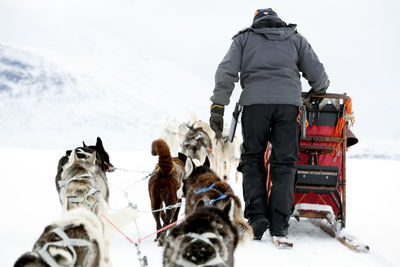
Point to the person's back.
(269, 55)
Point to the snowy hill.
(42, 100)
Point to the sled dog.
(202, 185)
(197, 143)
(200, 141)
(165, 181)
(83, 183)
(206, 238)
(75, 239)
(85, 152)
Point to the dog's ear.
(71, 160)
(62, 255)
(182, 157)
(84, 145)
(229, 209)
(189, 167)
(207, 162)
(99, 144)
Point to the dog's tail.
(161, 148)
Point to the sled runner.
(320, 191)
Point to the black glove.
(314, 100)
(217, 119)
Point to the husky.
(83, 183)
(85, 152)
(226, 156)
(202, 185)
(200, 141)
(165, 181)
(206, 238)
(197, 143)
(76, 239)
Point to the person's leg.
(285, 152)
(256, 131)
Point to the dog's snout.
(199, 252)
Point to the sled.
(320, 190)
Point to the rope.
(166, 227)
(142, 261)
(177, 205)
(126, 170)
(142, 179)
(119, 230)
(348, 115)
(134, 206)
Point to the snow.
(30, 202)
(73, 70)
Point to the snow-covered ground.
(30, 202)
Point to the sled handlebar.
(329, 95)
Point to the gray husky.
(83, 183)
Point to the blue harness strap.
(211, 202)
(204, 189)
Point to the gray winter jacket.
(269, 61)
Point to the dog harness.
(205, 237)
(65, 242)
(211, 202)
(84, 177)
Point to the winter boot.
(259, 224)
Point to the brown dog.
(164, 183)
(202, 185)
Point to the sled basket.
(321, 169)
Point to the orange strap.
(338, 131)
(298, 119)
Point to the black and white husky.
(85, 152)
(206, 238)
(75, 239)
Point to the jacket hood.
(276, 34)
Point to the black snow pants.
(276, 123)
